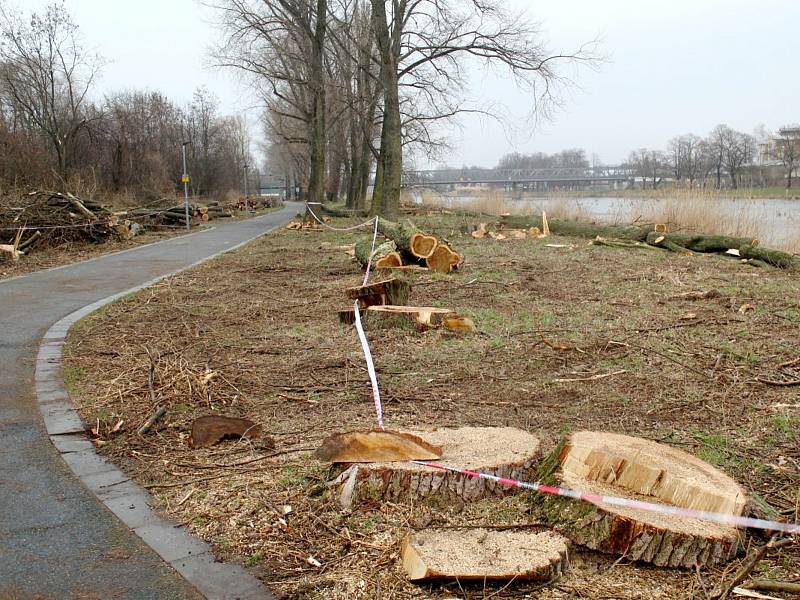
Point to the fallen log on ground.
(660, 240)
(610, 464)
(484, 555)
(408, 238)
(384, 256)
(676, 242)
(500, 451)
(574, 228)
(424, 317)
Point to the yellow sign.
(185, 179)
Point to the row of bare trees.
(723, 155)
(54, 133)
(350, 86)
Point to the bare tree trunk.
(386, 198)
(316, 180)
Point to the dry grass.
(696, 210)
(253, 334)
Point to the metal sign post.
(185, 180)
(246, 207)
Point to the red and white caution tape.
(664, 509)
(376, 392)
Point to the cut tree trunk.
(389, 291)
(708, 243)
(385, 255)
(574, 228)
(425, 317)
(776, 258)
(443, 259)
(610, 464)
(500, 451)
(408, 238)
(484, 554)
(660, 240)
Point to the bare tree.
(46, 75)
(424, 44)
(687, 157)
(785, 147)
(730, 151)
(648, 164)
(281, 45)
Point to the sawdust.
(479, 553)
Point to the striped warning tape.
(664, 509)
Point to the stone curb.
(187, 554)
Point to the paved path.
(56, 539)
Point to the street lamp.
(185, 180)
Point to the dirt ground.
(254, 334)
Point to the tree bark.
(387, 202)
(316, 180)
(608, 464)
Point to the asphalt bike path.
(57, 539)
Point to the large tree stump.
(501, 451)
(618, 465)
(484, 554)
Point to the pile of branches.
(46, 219)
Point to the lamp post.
(246, 207)
(185, 180)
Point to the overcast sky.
(673, 67)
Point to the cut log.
(385, 254)
(459, 323)
(392, 267)
(12, 251)
(660, 240)
(408, 238)
(389, 291)
(708, 243)
(375, 446)
(207, 431)
(618, 465)
(574, 228)
(500, 451)
(776, 258)
(425, 317)
(484, 555)
(443, 259)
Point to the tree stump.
(388, 291)
(618, 465)
(501, 451)
(484, 554)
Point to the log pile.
(408, 246)
(48, 219)
(42, 219)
